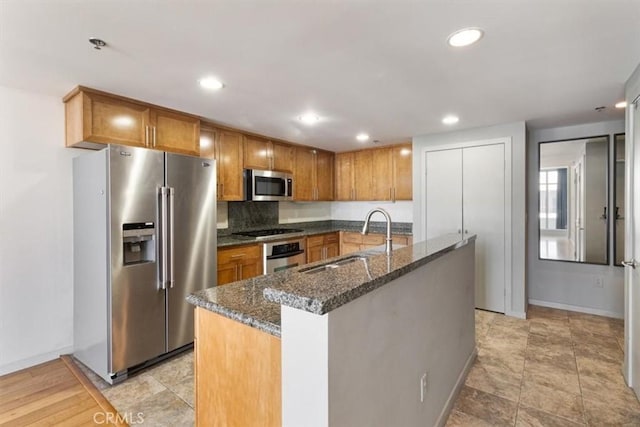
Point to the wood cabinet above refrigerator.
(95, 118)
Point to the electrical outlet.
(599, 282)
(423, 386)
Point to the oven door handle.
(287, 255)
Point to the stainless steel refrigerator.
(144, 238)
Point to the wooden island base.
(238, 373)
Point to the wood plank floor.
(51, 394)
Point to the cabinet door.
(207, 144)
(363, 175)
(348, 248)
(229, 151)
(282, 157)
(250, 267)
(108, 120)
(443, 192)
(303, 180)
(402, 172)
(484, 215)
(333, 249)
(324, 175)
(315, 254)
(344, 176)
(381, 174)
(227, 273)
(175, 132)
(257, 153)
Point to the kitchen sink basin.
(333, 264)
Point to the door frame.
(507, 204)
(629, 232)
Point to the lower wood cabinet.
(238, 374)
(352, 241)
(323, 246)
(239, 263)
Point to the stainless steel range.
(283, 254)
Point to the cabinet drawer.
(402, 240)
(331, 238)
(238, 253)
(373, 239)
(351, 237)
(313, 241)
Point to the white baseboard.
(35, 360)
(517, 314)
(577, 308)
(444, 415)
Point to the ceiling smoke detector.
(600, 109)
(97, 43)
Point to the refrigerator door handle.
(164, 191)
(171, 255)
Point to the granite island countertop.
(226, 238)
(256, 302)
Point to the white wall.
(289, 212)
(562, 284)
(401, 211)
(36, 289)
(517, 133)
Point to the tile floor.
(164, 394)
(557, 368)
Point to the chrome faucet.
(365, 229)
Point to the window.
(553, 199)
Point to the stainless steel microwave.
(262, 185)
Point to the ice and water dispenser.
(138, 242)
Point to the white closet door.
(484, 215)
(443, 192)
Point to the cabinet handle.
(222, 189)
(154, 137)
(394, 195)
(235, 276)
(237, 256)
(146, 136)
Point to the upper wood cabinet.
(96, 118)
(313, 174)
(375, 174)
(402, 172)
(227, 148)
(263, 154)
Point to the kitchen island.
(376, 340)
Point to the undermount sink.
(333, 264)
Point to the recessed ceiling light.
(309, 118)
(465, 37)
(621, 104)
(450, 120)
(362, 137)
(211, 83)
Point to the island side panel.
(361, 363)
(381, 344)
(238, 376)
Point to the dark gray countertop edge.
(243, 318)
(320, 307)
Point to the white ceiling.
(382, 67)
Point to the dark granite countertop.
(256, 302)
(225, 238)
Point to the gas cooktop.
(268, 232)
